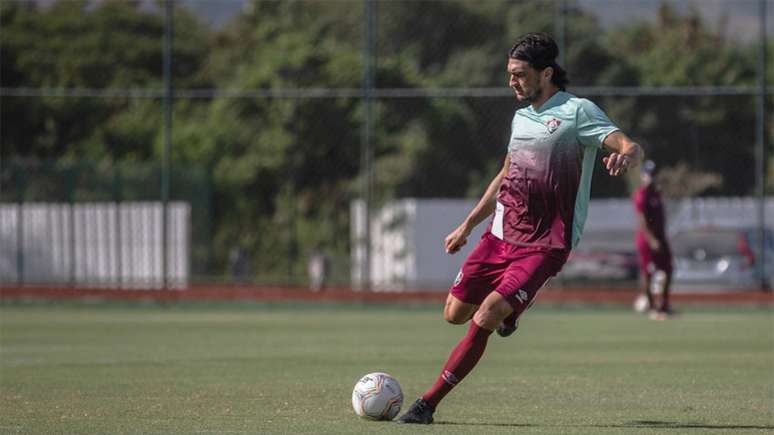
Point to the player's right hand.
(617, 164)
(456, 240)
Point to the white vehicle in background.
(721, 258)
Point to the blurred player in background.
(652, 243)
(318, 269)
(539, 200)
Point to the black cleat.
(420, 412)
(504, 330)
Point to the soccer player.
(539, 200)
(652, 243)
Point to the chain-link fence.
(271, 119)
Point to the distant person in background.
(239, 265)
(319, 268)
(652, 243)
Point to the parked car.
(603, 256)
(712, 258)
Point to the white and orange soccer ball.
(377, 396)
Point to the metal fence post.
(117, 199)
(71, 174)
(366, 148)
(165, 165)
(19, 175)
(760, 149)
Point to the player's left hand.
(617, 164)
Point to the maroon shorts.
(516, 272)
(651, 261)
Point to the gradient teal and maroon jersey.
(543, 201)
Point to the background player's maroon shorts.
(516, 272)
(652, 261)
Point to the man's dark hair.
(540, 51)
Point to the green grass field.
(270, 369)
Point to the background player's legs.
(468, 351)
(647, 269)
(665, 305)
(663, 262)
(646, 288)
(456, 311)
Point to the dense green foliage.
(284, 170)
(256, 369)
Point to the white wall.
(407, 243)
(94, 244)
(407, 235)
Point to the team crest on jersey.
(553, 124)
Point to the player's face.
(527, 82)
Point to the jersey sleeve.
(592, 124)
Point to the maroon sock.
(461, 361)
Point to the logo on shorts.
(458, 279)
(553, 124)
(449, 378)
(521, 296)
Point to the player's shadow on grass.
(462, 423)
(641, 424)
(657, 424)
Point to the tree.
(710, 134)
(285, 169)
(78, 44)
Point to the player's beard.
(533, 96)
(529, 97)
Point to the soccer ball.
(377, 396)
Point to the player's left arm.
(624, 153)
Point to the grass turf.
(272, 369)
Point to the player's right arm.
(485, 207)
